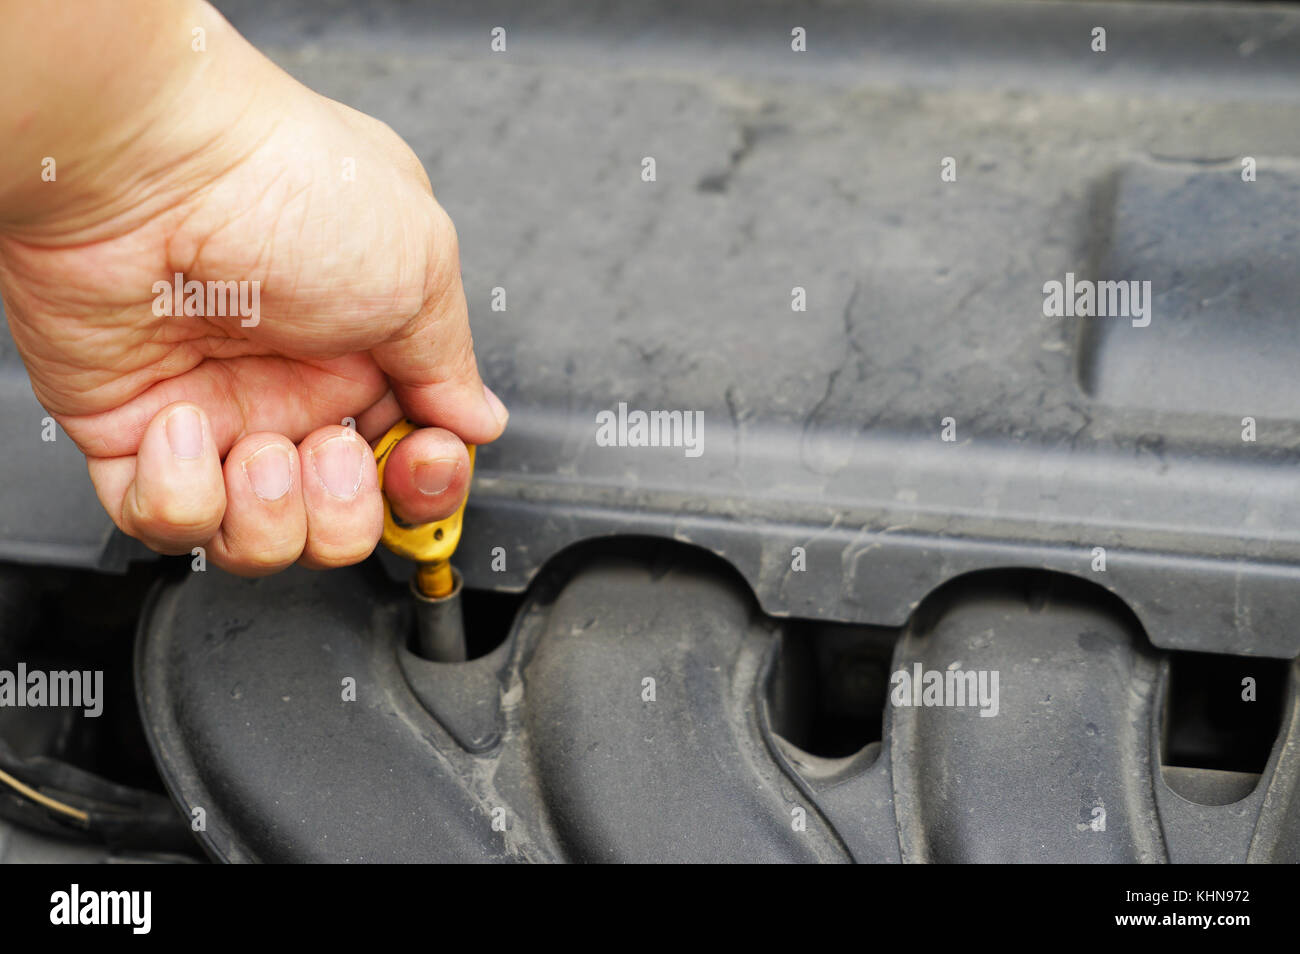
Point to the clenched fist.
(207, 268)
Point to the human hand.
(226, 431)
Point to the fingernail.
(185, 433)
(269, 472)
(498, 409)
(337, 463)
(434, 476)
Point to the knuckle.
(426, 509)
(334, 555)
(173, 520)
(444, 230)
(260, 558)
(345, 546)
(443, 268)
(260, 563)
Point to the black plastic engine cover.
(635, 713)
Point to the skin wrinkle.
(226, 175)
(212, 233)
(55, 234)
(157, 115)
(99, 378)
(235, 399)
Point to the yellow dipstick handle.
(429, 544)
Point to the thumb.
(431, 365)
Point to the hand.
(227, 431)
